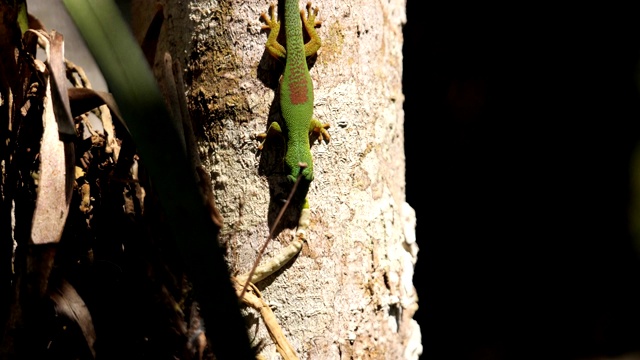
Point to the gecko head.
(301, 169)
(305, 173)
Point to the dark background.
(520, 122)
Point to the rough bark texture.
(349, 294)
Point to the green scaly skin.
(296, 87)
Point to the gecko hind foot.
(309, 23)
(310, 19)
(270, 20)
(273, 25)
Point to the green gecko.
(296, 106)
(296, 88)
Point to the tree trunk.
(349, 293)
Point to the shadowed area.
(520, 125)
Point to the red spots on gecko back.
(297, 83)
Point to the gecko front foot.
(319, 130)
(274, 129)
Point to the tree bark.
(349, 293)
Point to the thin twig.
(273, 229)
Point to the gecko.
(296, 106)
(296, 89)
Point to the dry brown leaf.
(58, 82)
(252, 297)
(85, 99)
(70, 304)
(56, 175)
